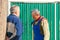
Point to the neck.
(15, 14)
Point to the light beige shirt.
(45, 26)
(11, 28)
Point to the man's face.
(33, 15)
(18, 11)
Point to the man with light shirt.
(40, 26)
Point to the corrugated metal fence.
(46, 10)
(58, 21)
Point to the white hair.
(13, 8)
(36, 11)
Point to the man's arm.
(19, 27)
(45, 29)
(32, 33)
(11, 28)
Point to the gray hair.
(13, 8)
(36, 11)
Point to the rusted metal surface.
(3, 14)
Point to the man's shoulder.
(44, 19)
(32, 22)
(12, 17)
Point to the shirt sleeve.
(11, 28)
(18, 26)
(45, 26)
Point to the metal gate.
(46, 10)
(58, 21)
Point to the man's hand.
(6, 38)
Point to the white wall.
(36, 0)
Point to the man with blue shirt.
(14, 24)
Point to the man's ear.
(16, 13)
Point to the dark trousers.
(15, 38)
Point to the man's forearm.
(47, 36)
(6, 38)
